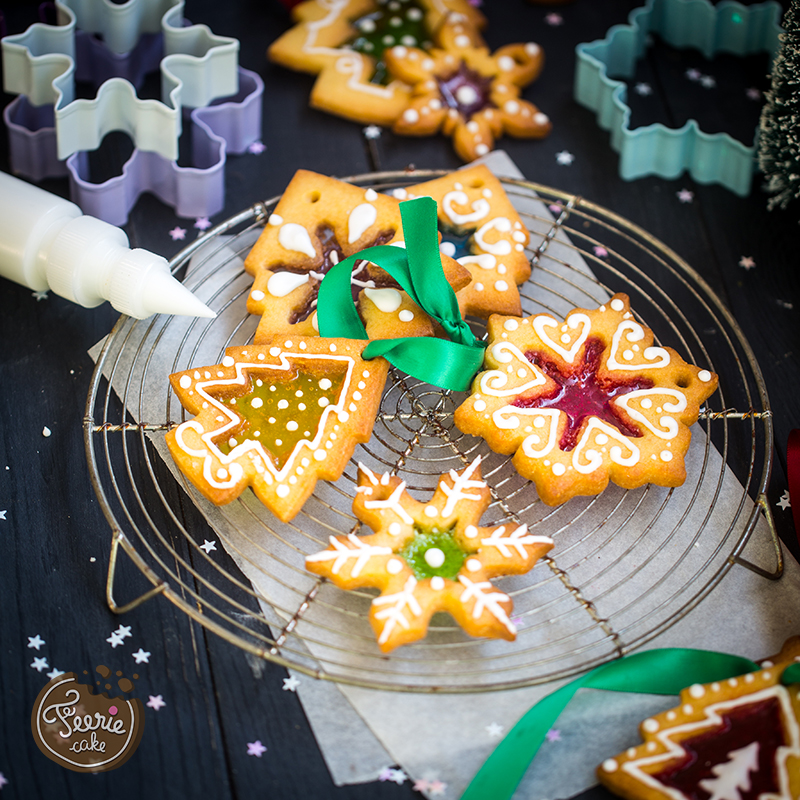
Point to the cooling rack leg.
(120, 540)
(776, 542)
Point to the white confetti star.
(643, 89)
(708, 82)
(40, 296)
(554, 19)
(202, 223)
(290, 684)
(565, 158)
(141, 656)
(257, 148)
(372, 132)
(685, 196)
(208, 546)
(35, 641)
(785, 501)
(747, 262)
(3, 513)
(39, 664)
(397, 776)
(115, 639)
(177, 233)
(54, 673)
(155, 702)
(256, 748)
(123, 631)
(494, 730)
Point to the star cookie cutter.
(655, 149)
(114, 47)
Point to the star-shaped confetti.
(554, 19)
(177, 233)
(40, 664)
(693, 74)
(708, 82)
(155, 702)
(785, 304)
(565, 158)
(494, 730)
(257, 148)
(208, 546)
(3, 513)
(643, 89)
(38, 296)
(290, 684)
(256, 748)
(372, 132)
(397, 776)
(685, 196)
(421, 785)
(115, 639)
(553, 735)
(600, 251)
(747, 262)
(437, 788)
(785, 501)
(123, 631)
(753, 93)
(35, 641)
(202, 223)
(54, 673)
(141, 656)
(3, 780)
(556, 209)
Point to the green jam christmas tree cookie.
(277, 417)
(429, 557)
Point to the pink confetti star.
(385, 774)
(155, 702)
(177, 233)
(753, 93)
(555, 209)
(553, 735)
(202, 223)
(747, 262)
(3, 780)
(437, 787)
(554, 19)
(257, 148)
(421, 785)
(600, 251)
(256, 748)
(693, 74)
(685, 196)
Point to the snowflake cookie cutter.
(656, 149)
(113, 47)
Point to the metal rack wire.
(626, 564)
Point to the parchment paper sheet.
(448, 737)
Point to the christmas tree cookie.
(737, 739)
(429, 556)
(584, 401)
(276, 417)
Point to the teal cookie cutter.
(656, 149)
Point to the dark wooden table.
(54, 540)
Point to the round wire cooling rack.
(625, 566)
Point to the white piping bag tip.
(163, 294)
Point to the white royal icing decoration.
(494, 382)
(386, 300)
(542, 321)
(295, 237)
(341, 554)
(669, 426)
(361, 218)
(593, 459)
(461, 482)
(658, 356)
(485, 600)
(397, 603)
(516, 540)
(483, 260)
(480, 208)
(282, 283)
(501, 247)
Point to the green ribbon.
(448, 363)
(664, 671)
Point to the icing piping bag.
(47, 242)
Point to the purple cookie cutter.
(220, 125)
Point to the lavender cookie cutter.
(655, 149)
(202, 85)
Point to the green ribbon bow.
(448, 363)
(664, 671)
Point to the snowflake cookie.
(585, 401)
(482, 230)
(343, 42)
(277, 417)
(428, 557)
(318, 222)
(737, 739)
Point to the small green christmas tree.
(779, 142)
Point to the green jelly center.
(433, 553)
(282, 409)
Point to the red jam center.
(741, 753)
(582, 393)
(466, 91)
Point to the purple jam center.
(466, 91)
(756, 722)
(582, 393)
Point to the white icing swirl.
(483, 260)
(542, 321)
(586, 460)
(499, 248)
(669, 426)
(658, 356)
(480, 208)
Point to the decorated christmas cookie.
(466, 92)
(428, 557)
(343, 41)
(317, 223)
(584, 401)
(482, 230)
(277, 417)
(734, 740)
